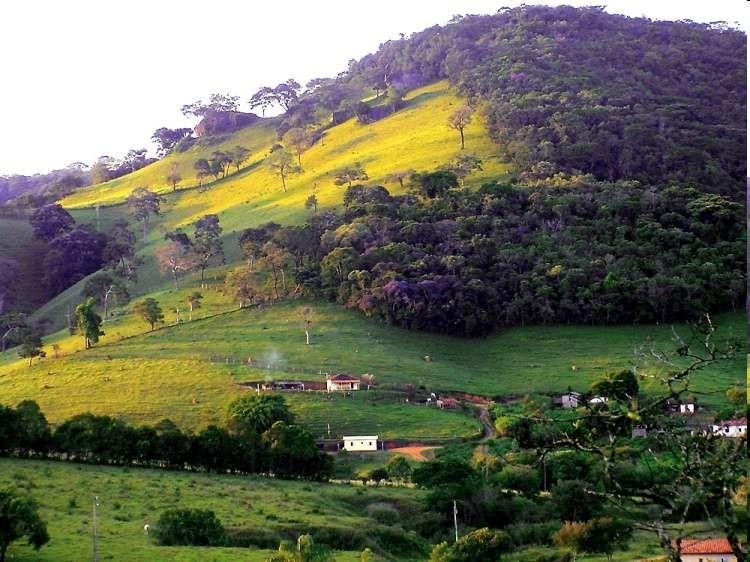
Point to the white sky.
(86, 78)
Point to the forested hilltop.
(584, 90)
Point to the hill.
(190, 372)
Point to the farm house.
(341, 382)
(361, 443)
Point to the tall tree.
(238, 155)
(298, 140)
(19, 518)
(241, 284)
(459, 120)
(167, 139)
(202, 170)
(306, 315)
(50, 221)
(312, 203)
(207, 242)
(176, 258)
(89, 322)
(282, 163)
(106, 289)
(150, 311)
(31, 344)
(119, 252)
(194, 300)
(173, 176)
(144, 203)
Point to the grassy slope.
(131, 498)
(415, 137)
(168, 373)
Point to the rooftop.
(339, 377)
(706, 546)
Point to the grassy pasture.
(146, 376)
(130, 498)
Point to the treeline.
(554, 250)
(260, 439)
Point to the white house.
(361, 443)
(598, 400)
(339, 382)
(706, 550)
(731, 428)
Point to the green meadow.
(131, 498)
(181, 372)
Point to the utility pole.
(95, 554)
(455, 519)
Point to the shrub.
(190, 527)
(383, 513)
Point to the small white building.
(361, 443)
(731, 428)
(340, 382)
(598, 400)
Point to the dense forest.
(617, 97)
(561, 250)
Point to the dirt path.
(417, 453)
(488, 429)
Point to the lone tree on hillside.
(31, 344)
(312, 203)
(306, 316)
(238, 155)
(298, 139)
(176, 257)
(282, 162)
(105, 287)
(349, 174)
(89, 322)
(19, 517)
(194, 302)
(399, 176)
(174, 177)
(150, 311)
(459, 119)
(207, 244)
(144, 203)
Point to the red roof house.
(341, 381)
(705, 550)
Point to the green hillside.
(131, 498)
(181, 372)
(415, 137)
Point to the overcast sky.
(86, 78)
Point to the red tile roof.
(737, 422)
(706, 546)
